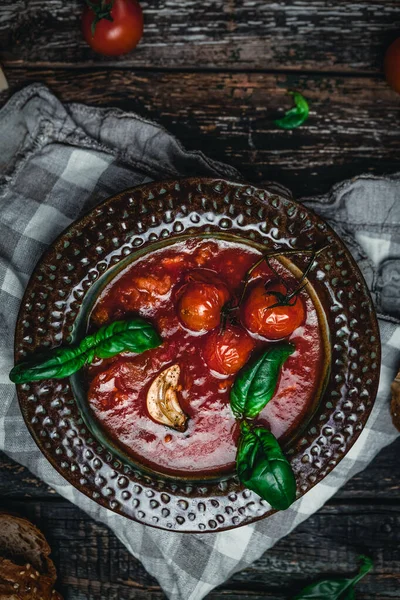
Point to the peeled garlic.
(162, 400)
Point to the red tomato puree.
(118, 386)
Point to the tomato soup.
(150, 287)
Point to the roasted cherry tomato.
(112, 27)
(201, 299)
(392, 65)
(260, 316)
(227, 351)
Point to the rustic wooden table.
(216, 74)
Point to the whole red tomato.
(228, 351)
(392, 65)
(201, 299)
(112, 27)
(260, 316)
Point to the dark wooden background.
(216, 73)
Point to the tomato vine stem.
(273, 254)
(282, 299)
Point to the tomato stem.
(101, 11)
(229, 309)
(275, 253)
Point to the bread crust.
(395, 404)
(20, 579)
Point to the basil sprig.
(134, 335)
(256, 384)
(260, 463)
(335, 589)
(262, 467)
(295, 116)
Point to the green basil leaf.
(327, 589)
(255, 385)
(335, 589)
(135, 335)
(295, 116)
(55, 364)
(262, 467)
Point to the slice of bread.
(23, 582)
(26, 570)
(395, 405)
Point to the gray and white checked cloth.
(56, 162)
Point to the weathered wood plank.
(93, 564)
(353, 125)
(17, 482)
(320, 35)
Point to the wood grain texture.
(93, 564)
(17, 482)
(230, 116)
(322, 35)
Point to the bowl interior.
(79, 384)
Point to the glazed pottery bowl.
(66, 283)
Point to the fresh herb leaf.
(256, 384)
(135, 335)
(335, 589)
(61, 362)
(295, 116)
(262, 467)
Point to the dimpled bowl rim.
(140, 216)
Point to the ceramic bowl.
(73, 270)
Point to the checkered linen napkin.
(56, 162)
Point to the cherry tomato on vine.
(227, 351)
(260, 316)
(112, 27)
(392, 65)
(201, 299)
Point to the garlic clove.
(162, 399)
